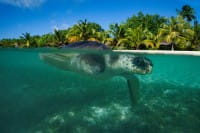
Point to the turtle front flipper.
(133, 87)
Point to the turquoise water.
(38, 98)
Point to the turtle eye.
(140, 61)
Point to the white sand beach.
(193, 53)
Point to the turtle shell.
(94, 61)
(87, 45)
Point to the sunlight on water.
(38, 98)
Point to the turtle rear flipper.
(59, 60)
(90, 64)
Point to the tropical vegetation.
(141, 31)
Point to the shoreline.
(163, 52)
(167, 52)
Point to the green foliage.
(141, 31)
(177, 32)
(27, 37)
(59, 36)
(195, 40)
(11, 42)
(117, 32)
(135, 37)
(150, 22)
(187, 12)
(46, 40)
(85, 30)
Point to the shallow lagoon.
(38, 98)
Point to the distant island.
(141, 31)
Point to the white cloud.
(55, 27)
(60, 26)
(23, 3)
(65, 26)
(31, 3)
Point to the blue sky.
(42, 16)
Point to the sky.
(38, 17)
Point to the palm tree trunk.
(172, 48)
(137, 46)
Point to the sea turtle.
(100, 64)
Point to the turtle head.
(141, 65)
(136, 64)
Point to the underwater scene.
(37, 97)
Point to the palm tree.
(27, 37)
(117, 32)
(153, 40)
(104, 37)
(135, 37)
(84, 30)
(187, 12)
(195, 39)
(176, 32)
(59, 37)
